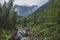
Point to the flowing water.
(22, 34)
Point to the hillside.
(46, 21)
(25, 10)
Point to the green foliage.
(22, 21)
(8, 15)
(46, 21)
(8, 19)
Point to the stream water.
(21, 33)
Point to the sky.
(28, 2)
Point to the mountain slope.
(25, 10)
(46, 21)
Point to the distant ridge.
(25, 10)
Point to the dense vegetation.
(8, 17)
(46, 21)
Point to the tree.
(8, 15)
